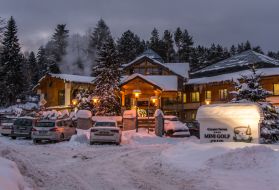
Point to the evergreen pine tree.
(107, 80)
(186, 47)
(249, 89)
(232, 50)
(59, 45)
(42, 62)
(34, 69)
(97, 38)
(167, 42)
(155, 43)
(11, 60)
(178, 39)
(129, 47)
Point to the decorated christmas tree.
(249, 89)
(107, 80)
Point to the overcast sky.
(209, 21)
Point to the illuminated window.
(208, 95)
(223, 94)
(275, 89)
(184, 98)
(195, 96)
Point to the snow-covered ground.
(144, 161)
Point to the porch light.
(74, 101)
(95, 99)
(207, 101)
(153, 99)
(136, 93)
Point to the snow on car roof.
(165, 82)
(233, 76)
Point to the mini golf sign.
(234, 122)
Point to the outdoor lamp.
(207, 101)
(136, 93)
(95, 99)
(74, 101)
(153, 99)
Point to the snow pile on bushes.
(18, 108)
(53, 114)
(10, 177)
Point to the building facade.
(148, 83)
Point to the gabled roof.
(233, 76)
(164, 82)
(181, 69)
(242, 60)
(71, 78)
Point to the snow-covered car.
(53, 130)
(175, 128)
(6, 125)
(22, 127)
(105, 131)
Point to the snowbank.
(82, 137)
(227, 165)
(18, 108)
(10, 177)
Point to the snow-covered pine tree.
(42, 62)
(167, 42)
(84, 98)
(249, 89)
(129, 47)
(107, 80)
(34, 69)
(11, 62)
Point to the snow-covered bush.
(249, 89)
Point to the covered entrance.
(141, 93)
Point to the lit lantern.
(74, 101)
(207, 101)
(153, 99)
(95, 99)
(136, 93)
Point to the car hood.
(175, 125)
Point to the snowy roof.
(72, 78)
(165, 82)
(181, 69)
(152, 55)
(233, 76)
(243, 59)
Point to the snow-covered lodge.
(149, 83)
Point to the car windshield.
(23, 122)
(105, 124)
(7, 120)
(45, 124)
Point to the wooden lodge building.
(149, 83)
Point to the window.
(208, 95)
(223, 94)
(275, 89)
(61, 97)
(184, 98)
(195, 96)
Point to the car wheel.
(75, 132)
(4, 134)
(61, 137)
(91, 143)
(36, 141)
(13, 137)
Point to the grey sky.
(209, 21)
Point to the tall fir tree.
(155, 43)
(129, 47)
(107, 80)
(97, 38)
(59, 45)
(34, 69)
(11, 65)
(178, 39)
(186, 47)
(167, 42)
(42, 62)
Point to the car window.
(45, 124)
(23, 122)
(105, 124)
